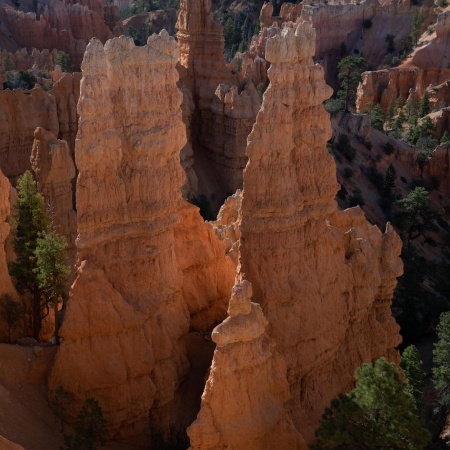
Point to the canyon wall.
(54, 170)
(126, 314)
(403, 82)
(6, 286)
(223, 113)
(323, 278)
(149, 269)
(60, 24)
(22, 111)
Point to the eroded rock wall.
(222, 116)
(245, 364)
(54, 170)
(323, 278)
(63, 25)
(126, 313)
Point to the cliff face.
(126, 313)
(62, 25)
(21, 112)
(404, 82)
(6, 286)
(435, 52)
(246, 365)
(323, 278)
(54, 170)
(222, 116)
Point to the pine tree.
(30, 219)
(349, 78)
(390, 112)
(412, 366)
(441, 353)
(417, 21)
(389, 182)
(424, 105)
(377, 117)
(51, 269)
(445, 137)
(378, 414)
(416, 216)
(90, 428)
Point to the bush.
(333, 106)
(375, 177)
(356, 199)
(367, 23)
(344, 147)
(348, 173)
(342, 193)
(388, 148)
(20, 80)
(63, 60)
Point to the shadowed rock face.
(246, 365)
(222, 112)
(323, 278)
(126, 313)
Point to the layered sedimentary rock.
(62, 25)
(323, 278)
(290, 12)
(233, 116)
(383, 85)
(22, 111)
(246, 365)
(218, 126)
(126, 313)
(265, 16)
(67, 92)
(207, 274)
(54, 170)
(6, 286)
(25, 60)
(435, 53)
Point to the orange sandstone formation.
(54, 169)
(61, 24)
(222, 117)
(246, 366)
(323, 278)
(6, 286)
(25, 60)
(126, 314)
(265, 16)
(404, 82)
(20, 113)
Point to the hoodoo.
(126, 314)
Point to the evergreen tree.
(378, 414)
(30, 219)
(424, 105)
(445, 137)
(422, 130)
(410, 109)
(349, 78)
(399, 104)
(390, 112)
(412, 366)
(416, 216)
(389, 182)
(417, 21)
(90, 429)
(399, 121)
(63, 60)
(441, 353)
(60, 403)
(377, 117)
(422, 160)
(51, 269)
